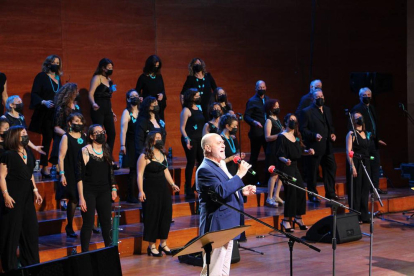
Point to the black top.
(231, 149)
(255, 112)
(2, 150)
(213, 128)
(362, 147)
(226, 108)
(370, 121)
(142, 127)
(305, 101)
(195, 123)
(13, 121)
(276, 129)
(129, 160)
(288, 149)
(60, 116)
(103, 92)
(3, 80)
(19, 174)
(147, 86)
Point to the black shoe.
(131, 199)
(150, 253)
(314, 199)
(382, 192)
(283, 228)
(334, 197)
(96, 230)
(115, 167)
(301, 226)
(161, 249)
(70, 232)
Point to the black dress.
(13, 121)
(70, 192)
(19, 226)
(361, 185)
(295, 199)
(205, 86)
(157, 208)
(129, 160)
(142, 127)
(231, 149)
(147, 86)
(3, 80)
(213, 128)
(271, 146)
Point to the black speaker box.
(347, 229)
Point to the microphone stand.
(351, 172)
(240, 119)
(335, 205)
(406, 113)
(292, 239)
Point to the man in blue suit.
(212, 175)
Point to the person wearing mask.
(289, 149)
(255, 116)
(153, 180)
(19, 226)
(191, 126)
(203, 81)
(3, 92)
(307, 99)
(45, 86)
(100, 94)
(220, 96)
(150, 83)
(272, 128)
(371, 123)
(128, 124)
(318, 132)
(4, 128)
(96, 185)
(358, 142)
(215, 114)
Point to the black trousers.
(101, 202)
(132, 182)
(47, 136)
(19, 228)
(375, 165)
(255, 144)
(195, 153)
(328, 164)
(104, 117)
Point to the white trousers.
(220, 261)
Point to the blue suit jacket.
(213, 216)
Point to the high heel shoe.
(161, 249)
(279, 200)
(150, 253)
(301, 226)
(282, 226)
(70, 233)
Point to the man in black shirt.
(307, 99)
(255, 116)
(371, 125)
(318, 133)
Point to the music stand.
(210, 241)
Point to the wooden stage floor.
(393, 254)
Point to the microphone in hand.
(238, 160)
(272, 169)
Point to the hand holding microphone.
(243, 168)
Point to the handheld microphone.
(352, 154)
(272, 169)
(238, 160)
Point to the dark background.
(240, 41)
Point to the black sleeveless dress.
(194, 125)
(129, 159)
(271, 146)
(213, 128)
(231, 149)
(157, 208)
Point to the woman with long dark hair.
(191, 126)
(361, 185)
(153, 176)
(71, 143)
(128, 122)
(96, 185)
(3, 92)
(200, 79)
(150, 83)
(19, 226)
(100, 94)
(45, 86)
(220, 96)
(289, 148)
(212, 126)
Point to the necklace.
(152, 76)
(200, 85)
(279, 124)
(160, 161)
(51, 83)
(231, 145)
(98, 153)
(80, 142)
(24, 156)
(132, 118)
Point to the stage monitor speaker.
(347, 229)
(377, 82)
(103, 261)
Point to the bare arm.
(141, 164)
(268, 130)
(4, 95)
(206, 129)
(59, 130)
(185, 114)
(36, 148)
(92, 88)
(170, 180)
(124, 127)
(85, 159)
(349, 137)
(63, 147)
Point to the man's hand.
(318, 137)
(249, 190)
(382, 143)
(258, 124)
(243, 168)
(333, 137)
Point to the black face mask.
(320, 102)
(366, 100)
(159, 144)
(156, 109)
(19, 107)
(261, 92)
(197, 100)
(276, 111)
(25, 140)
(77, 99)
(100, 138)
(292, 124)
(4, 134)
(134, 101)
(109, 72)
(233, 131)
(54, 68)
(222, 98)
(77, 127)
(359, 121)
(216, 113)
(155, 69)
(197, 68)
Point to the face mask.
(159, 144)
(19, 107)
(276, 111)
(100, 138)
(197, 68)
(359, 121)
(216, 113)
(319, 102)
(54, 68)
(4, 134)
(222, 98)
(77, 99)
(109, 72)
(261, 92)
(197, 100)
(156, 109)
(77, 127)
(292, 124)
(233, 131)
(134, 101)
(366, 100)
(25, 140)
(155, 69)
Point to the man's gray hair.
(363, 90)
